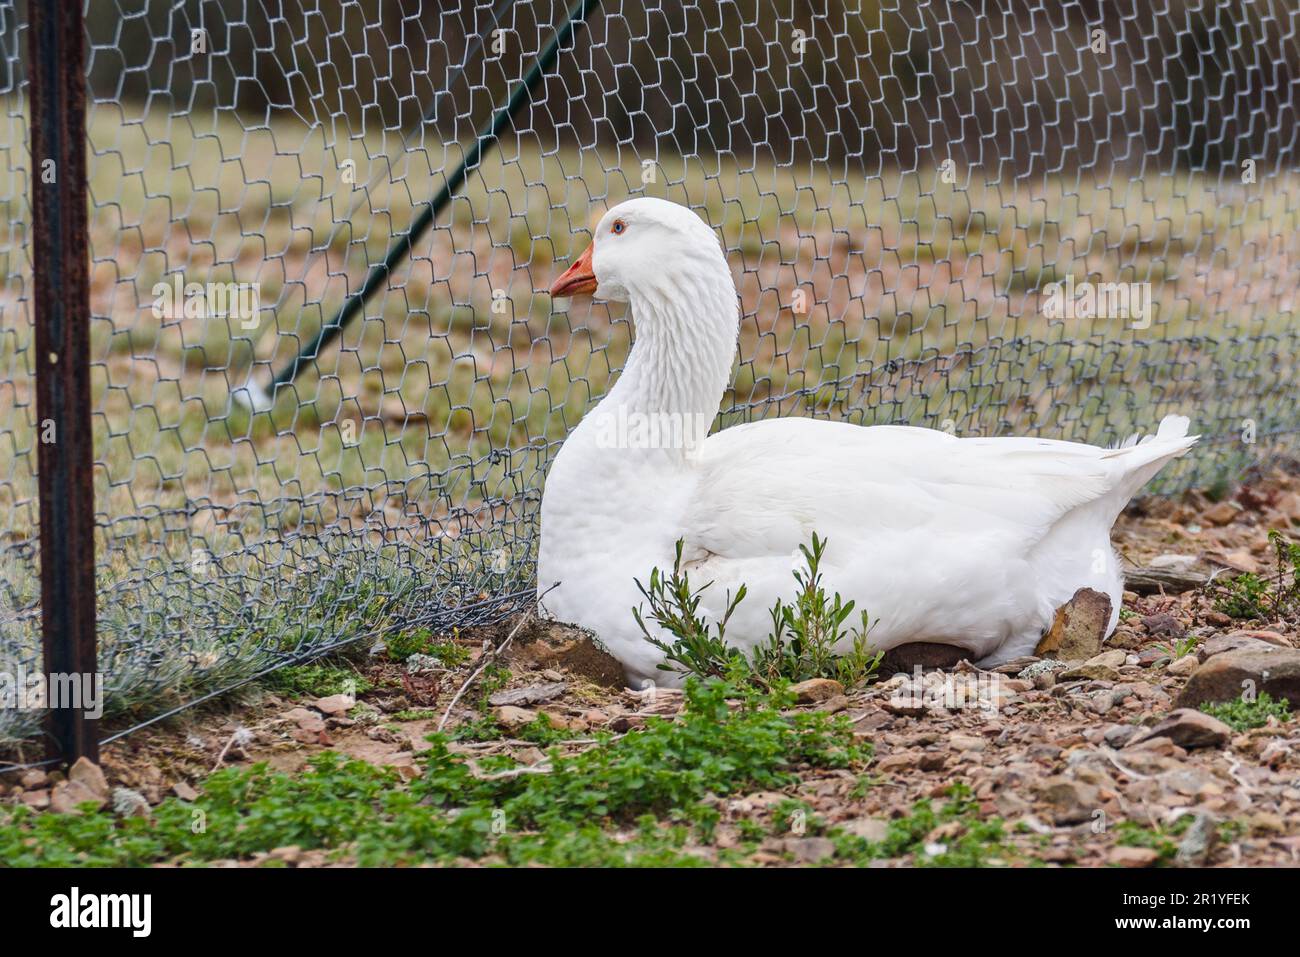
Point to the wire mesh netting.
(1057, 218)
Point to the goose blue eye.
(619, 227)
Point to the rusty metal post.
(61, 303)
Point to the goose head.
(646, 250)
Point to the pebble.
(809, 850)
(1133, 856)
(129, 803)
(510, 716)
(816, 689)
(1183, 666)
(1073, 802)
(90, 776)
(335, 704)
(1189, 729)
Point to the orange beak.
(577, 278)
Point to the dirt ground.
(1088, 762)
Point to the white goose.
(971, 542)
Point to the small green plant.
(806, 632)
(697, 648)
(318, 680)
(1242, 715)
(1255, 596)
(1162, 840)
(801, 645)
(421, 641)
(1180, 648)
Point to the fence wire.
(913, 195)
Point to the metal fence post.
(61, 302)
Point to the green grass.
(318, 680)
(1242, 715)
(649, 798)
(1271, 596)
(421, 641)
(634, 800)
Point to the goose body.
(972, 542)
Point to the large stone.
(1079, 627)
(1237, 641)
(1226, 676)
(1188, 729)
(533, 694)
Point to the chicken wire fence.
(1057, 218)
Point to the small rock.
(1224, 676)
(1016, 665)
(1189, 728)
(511, 717)
(1150, 657)
(1073, 802)
(1221, 514)
(871, 829)
(816, 689)
(932, 761)
(1198, 840)
(1102, 702)
(37, 800)
(1163, 625)
(1079, 627)
(809, 850)
(183, 791)
(1108, 659)
(89, 775)
(533, 694)
(290, 854)
(68, 797)
(1090, 672)
(129, 803)
(897, 762)
(967, 742)
(335, 704)
(1183, 666)
(1237, 641)
(34, 780)
(907, 706)
(1268, 637)
(1119, 735)
(1133, 856)
(309, 722)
